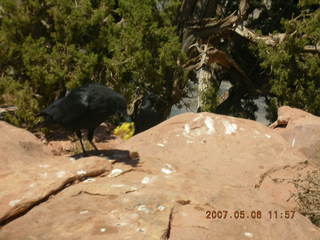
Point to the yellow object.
(125, 130)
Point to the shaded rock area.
(194, 176)
(62, 142)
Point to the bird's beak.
(125, 118)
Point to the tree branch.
(271, 40)
(312, 49)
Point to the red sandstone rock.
(185, 166)
(301, 130)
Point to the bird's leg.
(90, 138)
(79, 135)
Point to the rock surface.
(165, 183)
(301, 130)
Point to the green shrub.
(47, 47)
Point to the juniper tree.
(264, 48)
(49, 46)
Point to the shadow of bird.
(85, 107)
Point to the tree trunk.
(202, 30)
(204, 77)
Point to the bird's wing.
(105, 102)
(68, 109)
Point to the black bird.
(146, 114)
(85, 107)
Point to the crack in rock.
(201, 227)
(263, 176)
(166, 234)
(24, 207)
(184, 202)
(89, 193)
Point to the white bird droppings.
(114, 211)
(118, 185)
(72, 159)
(167, 169)
(14, 202)
(197, 132)
(89, 180)
(161, 208)
(143, 208)
(44, 175)
(132, 189)
(169, 165)
(229, 127)
(81, 172)
(44, 165)
(121, 224)
(267, 135)
(210, 125)
(189, 141)
(293, 142)
(103, 229)
(248, 234)
(84, 212)
(60, 174)
(146, 180)
(115, 172)
(133, 216)
(140, 230)
(160, 145)
(184, 214)
(186, 129)
(198, 118)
